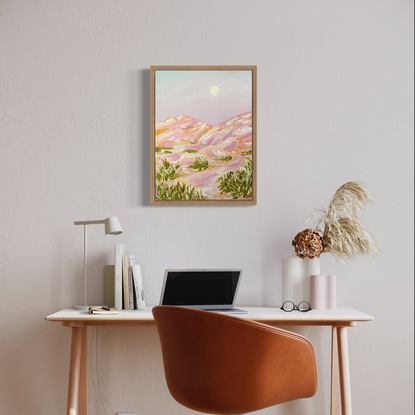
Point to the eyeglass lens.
(304, 306)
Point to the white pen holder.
(296, 274)
(323, 292)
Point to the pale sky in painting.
(210, 96)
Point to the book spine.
(138, 285)
(126, 287)
(131, 263)
(119, 251)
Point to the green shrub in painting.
(237, 183)
(164, 150)
(200, 163)
(178, 191)
(167, 171)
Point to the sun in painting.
(214, 90)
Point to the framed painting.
(203, 135)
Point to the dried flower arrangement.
(339, 229)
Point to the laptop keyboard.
(227, 310)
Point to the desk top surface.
(339, 316)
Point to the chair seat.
(223, 364)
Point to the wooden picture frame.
(203, 135)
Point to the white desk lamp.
(112, 227)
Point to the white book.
(138, 285)
(119, 251)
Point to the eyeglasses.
(303, 307)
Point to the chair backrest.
(222, 364)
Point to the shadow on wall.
(145, 131)
(139, 135)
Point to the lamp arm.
(89, 222)
(85, 263)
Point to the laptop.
(207, 289)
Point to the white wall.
(335, 103)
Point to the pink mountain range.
(182, 139)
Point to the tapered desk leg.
(77, 391)
(335, 405)
(83, 391)
(344, 371)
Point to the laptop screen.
(200, 287)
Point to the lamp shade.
(112, 226)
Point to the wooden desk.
(339, 319)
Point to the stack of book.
(123, 282)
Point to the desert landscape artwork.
(203, 127)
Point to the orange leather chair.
(221, 364)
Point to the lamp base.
(85, 307)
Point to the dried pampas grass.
(344, 235)
(348, 200)
(347, 238)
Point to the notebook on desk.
(207, 289)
